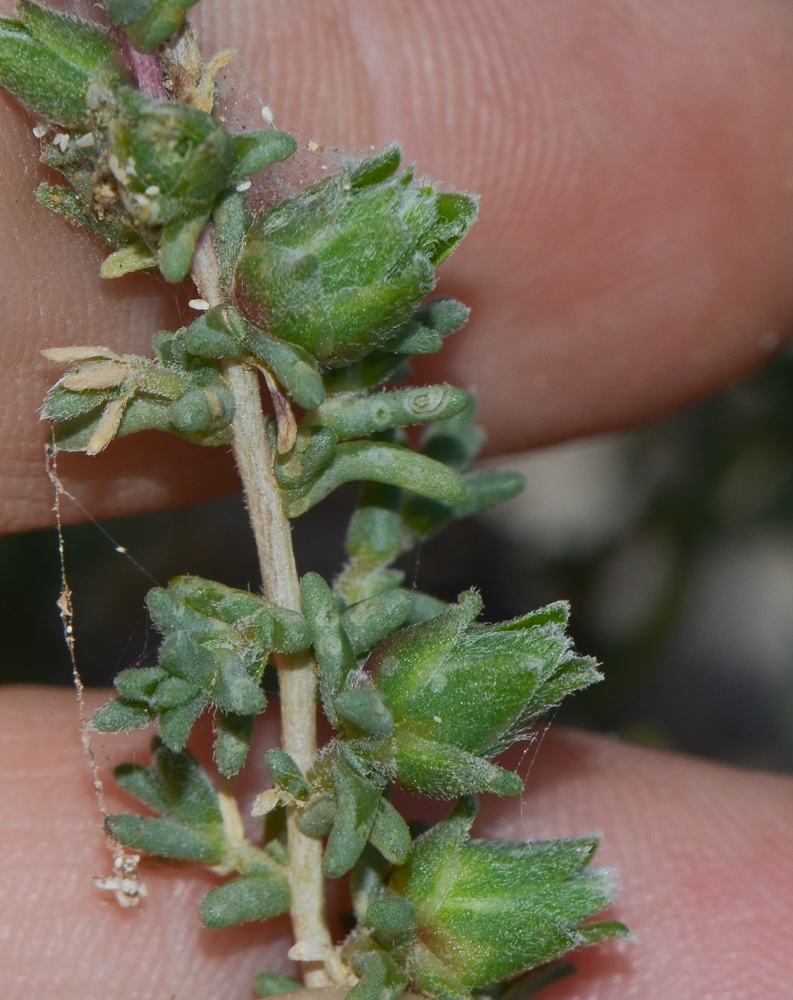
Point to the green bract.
(485, 911)
(439, 700)
(338, 269)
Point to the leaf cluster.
(190, 826)
(217, 644)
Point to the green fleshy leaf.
(390, 834)
(175, 785)
(282, 630)
(119, 716)
(217, 643)
(354, 417)
(176, 724)
(232, 218)
(379, 462)
(367, 881)
(255, 895)
(312, 451)
(65, 202)
(269, 984)
(287, 774)
(375, 533)
(209, 599)
(233, 741)
(455, 442)
(380, 976)
(236, 691)
(367, 374)
(254, 151)
(149, 23)
(177, 246)
(63, 404)
(358, 800)
(393, 919)
(171, 692)
(210, 336)
(425, 332)
(294, 368)
(369, 622)
(139, 684)
(318, 816)
(181, 656)
(366, 709)
(425, 607)
(167, 839)
(335, 658)
(483, 490)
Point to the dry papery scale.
(326, 296)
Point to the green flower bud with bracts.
(460, 693)
(50, 61)
(487, 911)
(170, 162)
(340, 268)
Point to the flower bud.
(341, 267)
(170, 162)
(439, 680)
(487, 911)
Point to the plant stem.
(297, 674)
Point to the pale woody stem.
(296, 673)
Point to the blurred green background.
(674, 544)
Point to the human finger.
(633, 253)
(702, 853)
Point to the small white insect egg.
(200, 305)
(40, 131)
(85, 140)
(243, 185)
(267, 114)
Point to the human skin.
(636, 165)
(704, 855)
(635, 161)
